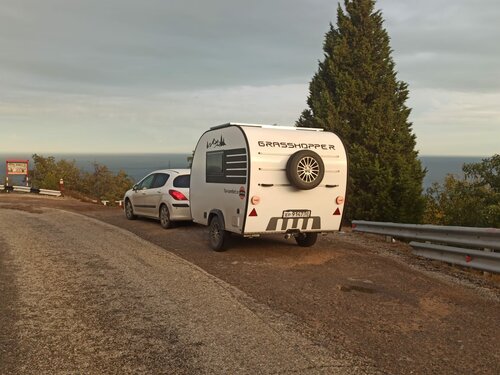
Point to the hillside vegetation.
(473, 200)
(99, 184)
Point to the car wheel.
(129, 210)
(306, 239)
(305, 169)
(165, 217)
(217, 235)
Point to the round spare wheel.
(305, 169)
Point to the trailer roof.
(265, 126)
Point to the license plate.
(296, 213)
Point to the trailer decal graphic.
(273, 223)
(216, 142)
(307, 146)
(242, 192)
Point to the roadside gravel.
(82, 296)
(364, 302)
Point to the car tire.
(305, 169)
(217, 234)
(129, 210)
(306, 239)
(165, 221)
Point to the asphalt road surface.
(98, 294)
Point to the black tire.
(129, 210)
(306, 239)
(216, 234)
(165, 221)
(305, 169)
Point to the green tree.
(471, 201)
(486, 173)
(190, 160)
(356, 94)
(101, 184)
(47, 172)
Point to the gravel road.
(82, 296)
(131, 297)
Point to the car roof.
(170, 171)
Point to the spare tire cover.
(305, 169)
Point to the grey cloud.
(129, 65)
(127, 45)
(162, 44)
(446, 44)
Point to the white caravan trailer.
(257, 179)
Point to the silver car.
(162, 194)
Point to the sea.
(138, 165)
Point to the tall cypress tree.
(356, 94)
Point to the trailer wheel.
(306, 239)
(217, 235)
(305, 169)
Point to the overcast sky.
(152, 75)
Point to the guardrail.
(54, 193)
(473, 246)
(24, 189)
(27, 189)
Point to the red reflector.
(337, 211)
(253, 213)
(177, 195)
(354, 226)
(468, 258)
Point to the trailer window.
(227, 166)
(214, 163)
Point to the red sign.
(17, 167)
(242, 192)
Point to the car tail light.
(177, 195)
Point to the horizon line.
(53, 153)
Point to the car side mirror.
(135, 187)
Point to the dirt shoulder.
(352, 294)
(92, 298)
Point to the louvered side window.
(227, 167)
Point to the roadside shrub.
(100, 184)
(472, 201)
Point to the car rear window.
(182, 181)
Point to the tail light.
(177, 195)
